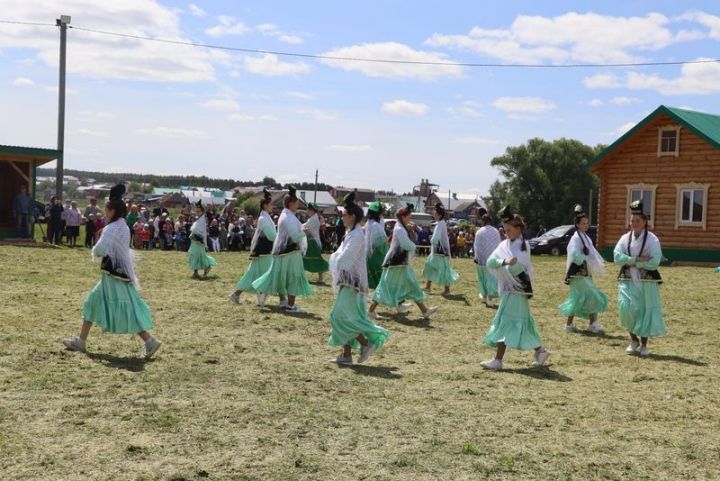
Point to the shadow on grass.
(544, 373)
(456, 297)
(601, 336)
(374, 371)
(299, 315)
(678, 359)
(209, 278)
(132, 364)
(403, 319)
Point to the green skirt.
(584, 299)
(397, 285)
(198, 260)
(640, 310)
(313, 261)
(348, 320)
(513, 324)
(258, 266)
(116, 307)
(285, 277)
(437, 269)
(375, 264)
(486, 282)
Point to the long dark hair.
(118, 207)
(402, 213)
(518, 221)
(372, 215)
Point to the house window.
(692, 205)
(645, 193)
(668, 141)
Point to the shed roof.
(705, 126)
(38, 154)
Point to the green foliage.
(543, 180)
(251, 206)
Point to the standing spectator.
(99, 224)
(223, 236)
(145, 236)
(63, 221)
(131, 219)
(168, 233)
(22, 208)
(214, 235)
(73, 218)
(137, 228)
(541, 230)
(156, 229)
(54, 215)
(90, 230)
(461, 243)
(93, 209)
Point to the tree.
(251, 207)
(544, 180)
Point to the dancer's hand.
(511, 261)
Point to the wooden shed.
(18, 165)
(670, 160)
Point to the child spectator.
(90, 230)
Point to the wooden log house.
(670, 160)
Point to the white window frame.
(669, 128)
(679, 200)
(642, 187)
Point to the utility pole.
(315, 195)
(61, 22)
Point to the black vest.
(263, 246)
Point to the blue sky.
(138, 106)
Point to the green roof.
(45, 154)
(163, 191)
(705, 126)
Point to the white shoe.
(366, 351)
(404, 308)
(541, 357)
(632, 348)
(294, 309)
(74, 343)
(492, 364)
(342, 360)
(151, 347)
(644, 351)
(283, 303)
(374, 315)
(261, 299)
(234, 298)
(595, 328)
(571, 328)
(429, 312)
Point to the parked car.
(555, 241)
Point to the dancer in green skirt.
(313, 260)
(639, 253)
(114, 303)
(197, 253)
(584, 263)
(513, 325)
(286, 276)
(437, 266)
(350, 326)
(260, 251)
(487, 238)
(398, 282)
(376, 244)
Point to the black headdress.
(266, 195)
(198, 203)
(409, 206)
(117, 192)
(439, 209)
(506, 214)
(579, 213)
(292, 192)
(482, 211)
(352, 208)
(636, 207)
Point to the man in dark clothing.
(22, 209)
(54, 215)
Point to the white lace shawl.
(266, 226)
(374, 235)
(313, 226)
(487, 239)
(400, 241)
(652, 249)
(440, 238)
(506, 249)
(595, 262)
(115, 242)
(199, 227)
(289, 230)
(348, 265)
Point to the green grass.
(238, 393)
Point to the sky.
(150, 107)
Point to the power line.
(374, 60)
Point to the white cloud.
(301, 95)
(625, 100)
(705, 19)
(392, 51)
(227, 26)
(403, 107)
(618, 132)
(595, 103)
(251, 118)
(571, 37)
(318, 114)
(523, 104)
(476, 141)
(173, 133)
(100, 56)
(221, 104)
(468, 108)
(272, 30)
(291, 39)
(602, 80)
(196, 11)
(271, 66)
(349, 148)
(92, 133)
(23, 82)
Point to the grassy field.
(239, 393)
